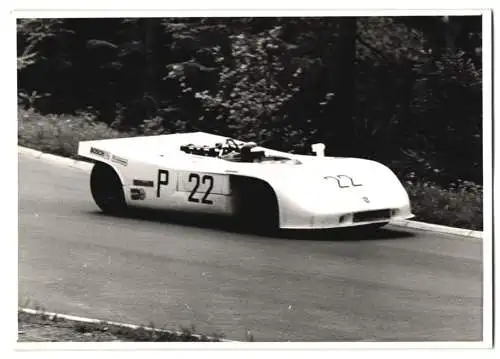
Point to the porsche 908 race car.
(206, 173)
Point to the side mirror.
(318, 149)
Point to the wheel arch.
(114, 168)
(261, 187)
(106, 188)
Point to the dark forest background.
(406, 91)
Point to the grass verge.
(60, 134)
(459, 205)
(42, 327)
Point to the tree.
(402, 90)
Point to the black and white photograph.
(254, 178)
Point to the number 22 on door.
(201, 195)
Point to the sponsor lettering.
(143, 183)
(137, 194)
(106, 155)
(99, 152)
(120, 160)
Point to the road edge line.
(74, 318)
(59, 160)
(430, 227)
(438, 228)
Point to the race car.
(206, 173)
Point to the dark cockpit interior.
(232, 151)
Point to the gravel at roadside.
(45, 328)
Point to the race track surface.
(392, 285)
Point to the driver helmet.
(248, 146)
(246, 151)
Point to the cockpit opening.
(234, 152)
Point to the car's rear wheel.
(372, 227)
(107, 189)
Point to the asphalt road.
(394, 285)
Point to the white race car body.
(311, 191)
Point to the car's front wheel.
(372, 227)
(106, 189)
(256, 205)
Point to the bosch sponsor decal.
(143, 183)
(120, 160)
(137, 194)
(99, 152)
(108, 156)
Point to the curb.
(437, 228)
(116, 324)
(86, 166)
(58, 160)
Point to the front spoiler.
(330, 222)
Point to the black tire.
(107, 189)
(257, 206)
(372, 227)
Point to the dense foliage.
(406, 91)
